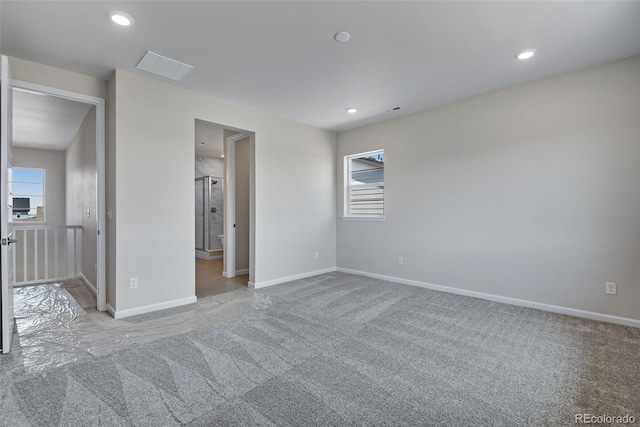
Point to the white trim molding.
(229, 259)
(363, 218)
(89, 284)
(110, 310)
(120, 314)
(505, 300)
(272, 282)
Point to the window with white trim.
(364, 185)
(28, 194)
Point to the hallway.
(209, 280)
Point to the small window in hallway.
(28, 194)
(364, 185)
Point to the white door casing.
(7, 265)
(230, 205)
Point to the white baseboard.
(266, 283)
(111, 310)
(89, 284)
(205, 255)
(506, 300)
(120, 314)
(238, 273)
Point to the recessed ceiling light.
(526, 54)
(120, 18)
(351, 110)
(342, 36)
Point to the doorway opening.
(55, 167)
(58, 141)
(222, 208)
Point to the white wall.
(530, 192)
(55, 77)
(54, 179)
(294, 191)
(81, 191)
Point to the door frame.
(229, 269)
(7, 264)
(100, 104)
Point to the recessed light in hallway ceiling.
(526, 54)
(121, 18)
(342, 36)
(351, 110)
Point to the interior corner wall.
(294, 210)
(111, 192)
(530, 192)
(242, 204)
(81, 192)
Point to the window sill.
(363, 218)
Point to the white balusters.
(34, 269)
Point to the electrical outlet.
(109, 213)
(400, 260)
(610, 288)
(88, 213)
(317, 255)
(133, 283)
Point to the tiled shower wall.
(209, 166)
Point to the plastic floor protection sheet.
(54, 329)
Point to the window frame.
(347, 215)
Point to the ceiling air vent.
(163, 66)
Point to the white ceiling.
(213, 138)
(45, 122)
(280, 56)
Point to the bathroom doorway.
(210, 184)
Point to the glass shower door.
(200, 213)
(216, 217)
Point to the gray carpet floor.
(342, 350)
